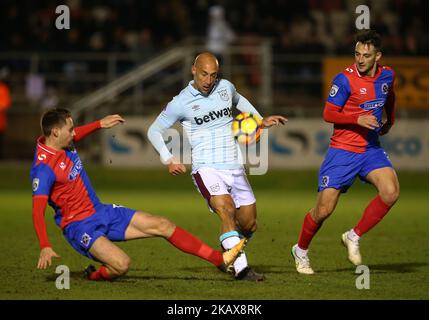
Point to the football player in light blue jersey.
(204, 108)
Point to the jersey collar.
(377, 73)
(196, 92)
(41, 145)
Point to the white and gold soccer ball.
(246, 128)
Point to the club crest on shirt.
(334, 90)
(385, 88)
(223, 95)
(35, 184)
(325, 181)
(86, 239)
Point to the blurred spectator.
(35, 87)
(144, 48)
(109, 25)
(50, 100)
(219, 33)
(5, 102)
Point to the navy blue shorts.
(340, 167)
(110, 221)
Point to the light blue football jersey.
(206, 120)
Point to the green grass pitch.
(396, 251)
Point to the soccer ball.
(246, 128)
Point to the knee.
(122, 265)
(390, 196)
(249, 228)
(165, 227)
(321, 212)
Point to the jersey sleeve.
(42, 180)
(340, 91)
(165, 120)
(171, 113)
(390, 103)
(38, 208)
(83, 131)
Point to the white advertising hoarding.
(301, 143)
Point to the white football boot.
(352, 249)
(302, 263)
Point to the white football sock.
(241, 261)
(301, 252)
(352, 235)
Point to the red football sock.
(188, 243)
(309, 229)
(372, 215)
(101, 274)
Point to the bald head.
(204, 70)
(206, 58)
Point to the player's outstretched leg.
(144, 225)
(190, 244)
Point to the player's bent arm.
(333, 114)
(154, 135)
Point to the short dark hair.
(369, 37)
(52, 118)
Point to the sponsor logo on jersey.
(41, 156)
(362, 90)
(334, 90)
(213, 115)
(195, 107)
(77, 168)
(223, 95)
(35, 184)
(372, 104)
(62, 165)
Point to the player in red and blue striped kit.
(91, 227)
(355, 106)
